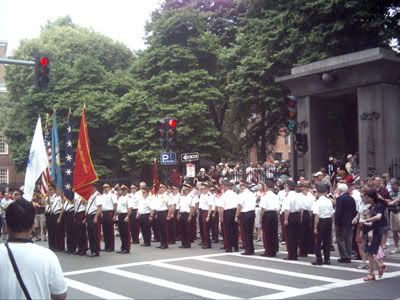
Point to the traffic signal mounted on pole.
(42, 71)
(292, 112)
(301, 142)
(162, 132)
(171, 134)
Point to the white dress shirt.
(133, 201)
(93, 202)
(292, 202)
(122, 205)
(323, 207)
(247, 200)
(144, 205)
(185, 203)
(55, 204)
(109, 199)
(79, 204)
(160, 202)
(270, 201)
(229, 199)
(205, 201)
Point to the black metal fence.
(394, 168)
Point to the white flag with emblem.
(37, 163)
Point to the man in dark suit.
(345, 213)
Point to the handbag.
(16, 270)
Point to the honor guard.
(269, 204)
(93, 220)
(109, 208)
(205, 209)
(306, 236)
(214, 220)
(143, 215)
(80, 221)
(70, 226)
(195, 209)
(185, 216)
(160, 212)
(292, 207)
(123, 212)
(54, 227)
(230, 201)
(323, 212)
(133, 221)
(245, 215)
(172, 214)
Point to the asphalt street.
(173, 273)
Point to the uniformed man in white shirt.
(185, 216)
(93, 220)
(195, 212)
(143, 215)
(229, 200)
(133, 221)
(53, 219)
(159, 212)
(307, 241)
(205, 208)
(123, 215)
(282, 195)
(109, 208)
(172, 214)
(80, 220)
(245, 215)
(292, 207)
(70, 226)
(269, 204)
(214, 219)
(323, 212)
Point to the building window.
(3, 176)
(3, 144)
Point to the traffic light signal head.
(42, 71)
(171, 139)
(161, 131)
(292, 112)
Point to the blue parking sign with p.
(168, 158)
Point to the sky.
(121, 20)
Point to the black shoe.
(344, 260)
(290, 258)
(228, 250)
(125, 252)
(164, 247)
(327, 262)
(215, 241)
(302, 255)
(135, 242)
(246, 253)
(120, 251)
(317, 263)
(159, 247)
(222, 248)
(77, 252)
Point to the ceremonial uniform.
(81, 236)
(123, 223)
(324, 210)
(184, 206)
(214, 220)
(70, 226)
(55, 229)
(160, 206)
(230, 200)
(133, 221)
(282, 195)
(109, 200)
(205, 203)
(144, 210)
(172, 202)
(247, 202)
(94, 223)
(292, 205)
(195, 203)
(306, 201)
(269, 203)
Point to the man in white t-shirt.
(39, 267)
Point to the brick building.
(9, 178)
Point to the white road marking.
(214, 275)
(95, 291)
(270, 270)
(316, 289)
(169, 284)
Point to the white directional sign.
(187, 157)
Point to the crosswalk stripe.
(316, 289)
(270, 270)
(297, 262)
(169, 284)
(95, 291)
(226, 277)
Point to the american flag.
(46, 175)
(69, 163)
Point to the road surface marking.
(95, 291)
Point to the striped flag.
(46, 175)
(55, 156)
(69, 162)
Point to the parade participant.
(123, 214)
(27, 269)
(269, 204)
(292, 207)
(109, 208)
(205, 208)
(70, 226)
(172, 214)
(80, 221)
(245, 213)
(282, 193)
(185, 216)
(39, 202)
(93, 220)
(159, 211)
(323, 212)
(214, 219)
(229, 200)
(344, 215)
(133, 221)
(5, 202)
(53, 219)
(195, 212)
(143, 215)
(306, 236)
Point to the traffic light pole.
(293, 156)
(7, 61)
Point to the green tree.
(86, 68)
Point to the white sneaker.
(395, 251)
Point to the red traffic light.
(172, 123)
(44, 61)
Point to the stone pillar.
(378, 127)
